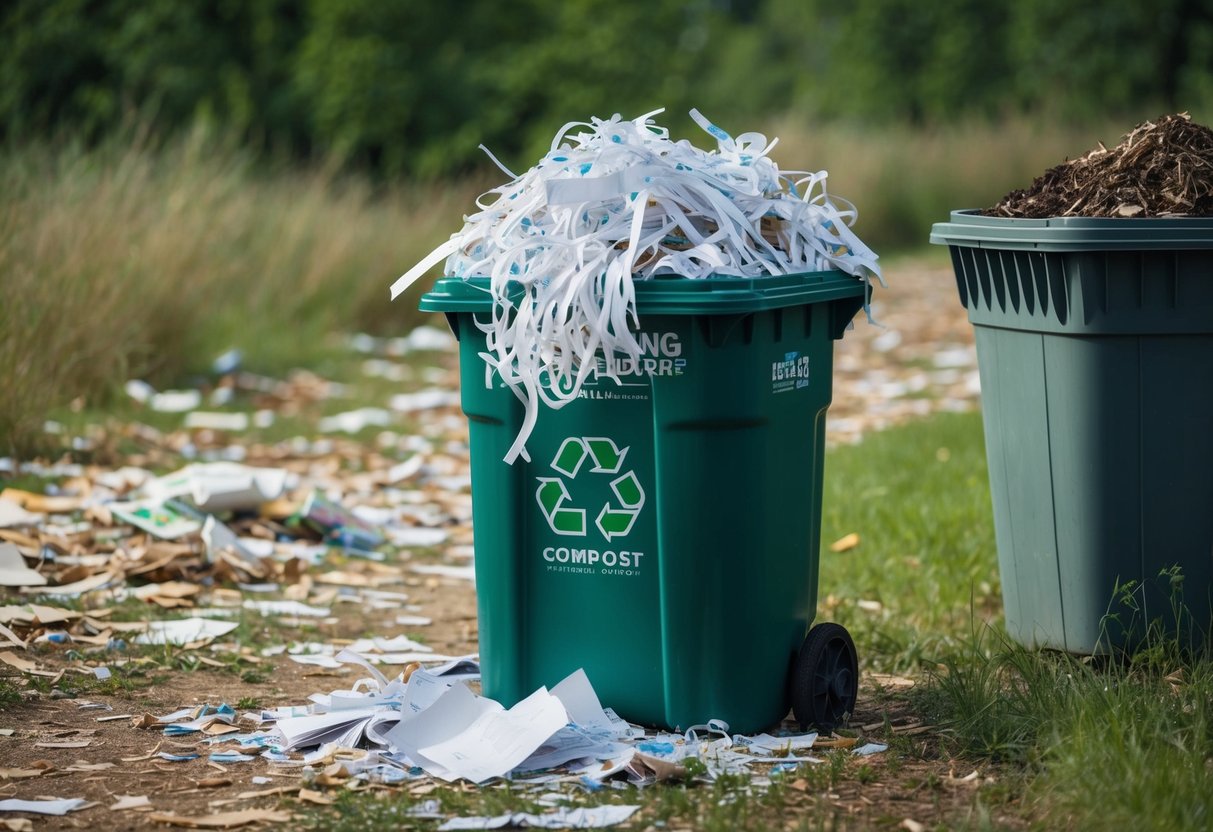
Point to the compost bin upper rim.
(970, 228)
(673, 294)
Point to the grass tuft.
(1113, 741)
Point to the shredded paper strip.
(616, 201)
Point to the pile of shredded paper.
(426, 721)
(614, 201)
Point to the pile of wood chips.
(1162, 168)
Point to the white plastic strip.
(431, 260)
(617, 201)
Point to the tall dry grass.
(127, 261)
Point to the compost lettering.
(592, 561)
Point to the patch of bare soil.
(120, 759)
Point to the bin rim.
(971, 229)
(676, 295)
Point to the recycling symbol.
(614, 519)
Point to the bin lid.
(971, 229)
(674, 295)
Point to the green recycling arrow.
(627, 489)
(552, 494)
(569, 457)
(614, 520)
(606, 454)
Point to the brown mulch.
(1162, 168)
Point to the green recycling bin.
(1095, 350)
(664, 534)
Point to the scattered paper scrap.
(230, 757)
(353, 421)
(295, 608)
(77, 588)
(462, 573)
(424, 400)
(51, 806)
(767, 744)
(214, 420)
(71, 744)
(185, 631)
(476, 739)
(13, 514)
(14, 572)
(177, 758)
(155, 518)
(42, 503)
(418, 536)
(83, 766)
(870, 748)
(414, 620)
(318, 798)
(127, 801)
(172, 401)
(596, 817)
(222, 820)
(220, 486)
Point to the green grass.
(1107, 743)
(918, 498)
(10, 693)
(124, 679)
(1093, 743)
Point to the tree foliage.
(413, 87)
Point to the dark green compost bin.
(1095, 349)
(664, 535)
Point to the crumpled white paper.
(614, 201)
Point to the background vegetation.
(181, 178)
(413, 87)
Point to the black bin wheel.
(825, 678)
